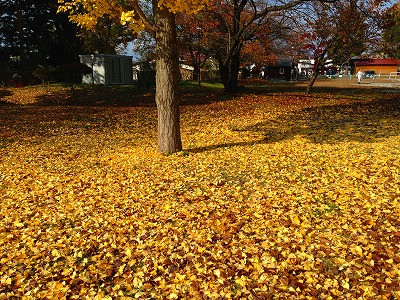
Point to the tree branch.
(149, 27)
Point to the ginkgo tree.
(158, 18)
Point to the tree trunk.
(319, 62)
(167, 79)
(196, 72)
(234, 69)
(229, 67)
(312, 81)
(223, 74)
(229, 73)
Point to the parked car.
(369, 74)
(330, 73)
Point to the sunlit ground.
(277, 194)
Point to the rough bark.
(167, 78)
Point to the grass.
(277, 194)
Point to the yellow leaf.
(257, 215)
(121, 269)
(180, 277)
(58, 285)
(295, 220)
(55, 253)
(128, 252)
(217, 273)
(345, 285)
(241, 281)
(358, 250)
(18, 224)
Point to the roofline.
(106, 55)
(376, 62)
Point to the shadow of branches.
(358, 122)
(361, 122)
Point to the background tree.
(106, 36)
(335, 31)
(196, 36)
(33, 34)
(159, 20)
(391, 31)
(145, 47)
(239, 21)
(262, 48)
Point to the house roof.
(282, 63)
(376, 62)
(106, 55)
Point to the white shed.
(107, 69)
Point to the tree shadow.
(96, 96)
(364, 122)
(4, 93)
(124, 96)
(300, 87)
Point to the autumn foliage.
(87, 12)
(278, 195)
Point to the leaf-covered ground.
(278, 195)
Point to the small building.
(379, 65)
(282, 70)
(305, 67)
(107, 69)
(187, 72)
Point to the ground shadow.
(92, 109)
(265, 88)
(4, 93)
(106, 96)
(94, 96)
(358, 122)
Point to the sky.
(128, 50)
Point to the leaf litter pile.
(275, 196)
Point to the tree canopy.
(333, 32)
(391, 31)
(32, 33)
(136, 14)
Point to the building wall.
(377, 69)
(99, 71)
(113, 70)
(87, 60)
(96, 63)
(126, 71)
(279, 73)
(107, 69)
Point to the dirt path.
(366, 83)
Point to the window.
(281, 71)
